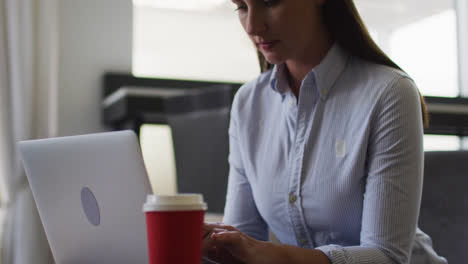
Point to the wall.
(95, 36)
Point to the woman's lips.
(267, 46)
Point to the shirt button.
(292, 102)
(292, 198)
(324, 91)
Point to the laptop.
(89, 191)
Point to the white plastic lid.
(179, 202)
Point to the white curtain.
(28, 94)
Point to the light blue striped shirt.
(339, 170)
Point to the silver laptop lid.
(89, 191)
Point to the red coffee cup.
(175, 227)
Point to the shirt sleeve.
(394, 181)
(240, 210)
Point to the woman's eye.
(270, 2)
(241, 8)
(267, 3)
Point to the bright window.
(439, 142)
(417, 48)
(420, 36)
(158, 153)
(200, 42)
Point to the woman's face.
(283, 29)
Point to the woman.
(325, 145)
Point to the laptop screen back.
(89, 191)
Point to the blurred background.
(61, 61)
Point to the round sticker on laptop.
(90, 206)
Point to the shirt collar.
(278, 80)
(329, 69)
(326, 73)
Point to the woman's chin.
(273, 59)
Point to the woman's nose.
(255, 23)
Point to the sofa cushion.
(444, 204)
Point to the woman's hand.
(212, 251)
(227, 244)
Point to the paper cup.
(174, 228)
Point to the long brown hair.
(345, 26)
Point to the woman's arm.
(240, 209)
(394, 182)
(251, 251)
